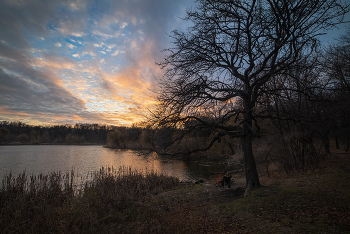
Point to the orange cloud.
(76, 117)
(4, 110)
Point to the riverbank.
(311, 202)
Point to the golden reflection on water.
(85, 160)
(143, 163)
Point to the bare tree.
(336, 62)
(299, 107)
(217, 69)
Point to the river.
(36, 159)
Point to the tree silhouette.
(217, 69)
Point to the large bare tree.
(217, 69)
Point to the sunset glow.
(90, 61)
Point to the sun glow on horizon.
(63, 62)
(91, 61)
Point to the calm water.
(35, 159)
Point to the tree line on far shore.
(80, 133)
(138, 136)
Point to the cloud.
(89, 53)
(99, 45)
(123, 25)
(6, 111)
(70, 45)
(115, 53)
(104, 35)
(110, 47)
(35, 92)
(77, 5)
(81, 60)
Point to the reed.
(54, 202)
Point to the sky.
(87, 61)
(84, 61)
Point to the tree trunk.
(231, 146)
(336, 139)
(325, 141)
(251, 174)
(336, 142)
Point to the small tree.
(23, 138)
(3, 134)
(233, 48)
(117, 138)
(146, 139)
(35, 137)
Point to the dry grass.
(313, 202)
(126, 201)
(52, 204)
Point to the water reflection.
(85, 160)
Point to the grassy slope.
(312, 202)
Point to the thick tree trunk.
(251, 173)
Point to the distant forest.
(80, 133)
(121, 137)
(118, 137)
